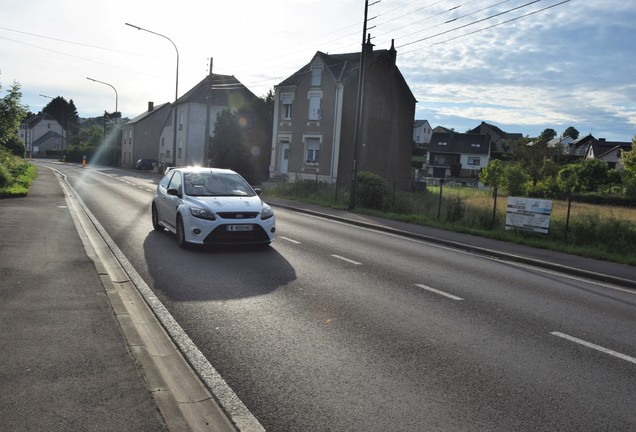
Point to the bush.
(372, 191)
(547, 188)
(5, 175)
(515, 179)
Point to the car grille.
(220, 235)
(237, 215)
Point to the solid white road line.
(436, 291)
(347, 260)
(289, 240)
(594, 346)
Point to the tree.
(547, 135)
(533, 159)
(515, 178)
(493, 174)
(571, 132)
(64, 113)
(227, 150)
(628, 159)
(592, 174)
(585, 176)
(242, 139)
(568, 179)
(12, 112)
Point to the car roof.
(192, 169)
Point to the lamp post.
(176, 89)
(116, 111)
(116, 95)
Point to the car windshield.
(216, 184)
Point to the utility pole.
(357, 132)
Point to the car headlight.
(267, 212)
(202, 213)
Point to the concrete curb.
(179, 379)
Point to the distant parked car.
(145, 164)
(211, 206)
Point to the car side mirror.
(173, 192)
(258, 190)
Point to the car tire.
(155, 219)
(181, 241)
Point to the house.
(609, 151)
(497, 137)
(315, 117)
(40, 133)
(442, 129)
(196, 113)
(422, 132)
(561, 142)
(141, 135)
(457, 155)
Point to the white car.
(211, 206)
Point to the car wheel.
(155, 219)
(181, 241)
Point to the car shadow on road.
(200, 273)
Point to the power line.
(505, 22)
(471, 24)
(74, 43)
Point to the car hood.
(229, 203)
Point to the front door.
(284, 157)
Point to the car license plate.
(240, 227)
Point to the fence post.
(439, 206)
(567, 218)
(494, 207)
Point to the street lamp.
(116, 95)
(116, 111)
(176, 89)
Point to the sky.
(522, 65)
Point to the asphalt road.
(337, 327)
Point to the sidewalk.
(65, 363)
(603, 271)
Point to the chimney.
(392, 52)
(151, 106)
(368, 46)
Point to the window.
(473, 161)
(475, 145)
(316, 75)
(314, 106)
(312, 151)
(286, 100)
(180, 121)
(442, 143)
